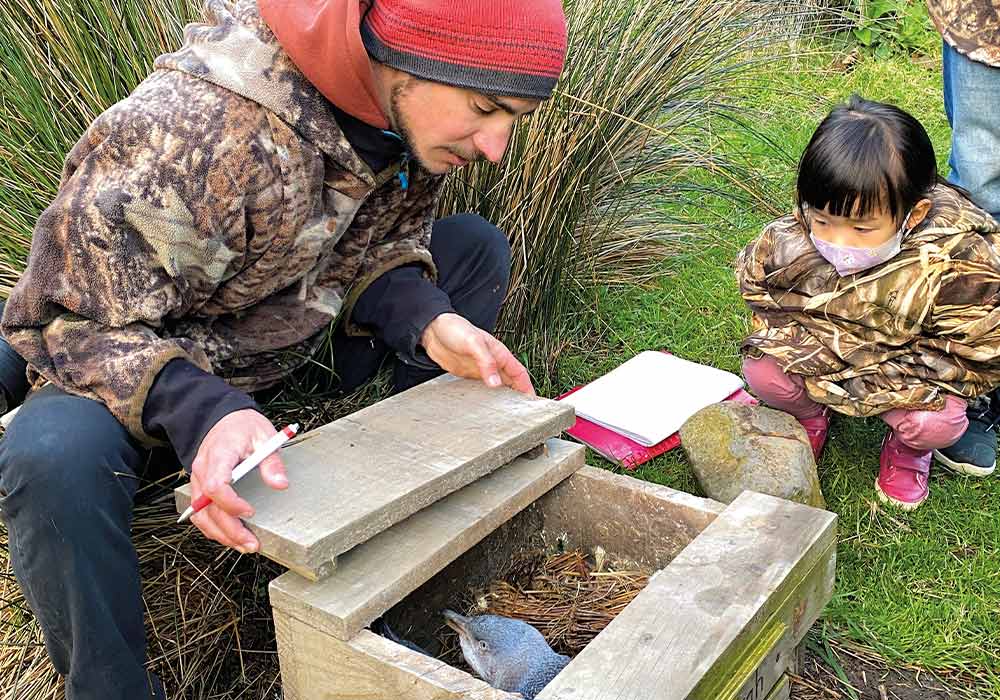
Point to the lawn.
(918, 589)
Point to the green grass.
(920, 588)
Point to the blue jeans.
(972, 102)
(68, 480)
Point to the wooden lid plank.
(355, 477)
(379, 573)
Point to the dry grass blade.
(208, 619)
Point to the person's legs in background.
(971, 96)
(975, 453)
(971, 99)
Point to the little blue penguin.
(508, 654)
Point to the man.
(278, 173)
(971, 63)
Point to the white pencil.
(244, 467)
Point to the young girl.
(878, 296)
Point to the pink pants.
(921, 430)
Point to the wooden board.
(379, 573)
(358, 476)
(757, 575)
(315, 666)
(639, 522)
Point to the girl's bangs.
(850, 174)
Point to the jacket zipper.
(404, 166)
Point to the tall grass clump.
(63, 63)
(581, 189)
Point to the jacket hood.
(235, 49)
(323, 38)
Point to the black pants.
(68, 478)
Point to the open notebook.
(633, 413)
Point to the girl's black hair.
(867, 157)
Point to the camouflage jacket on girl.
(971, 26)
(217, 214)
(900, 335)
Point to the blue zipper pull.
(404, 172)
(404, 168)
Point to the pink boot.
(817, 428)
(902, 474)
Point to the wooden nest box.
(399, 506)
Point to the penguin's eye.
(483, 645)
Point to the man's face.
(447, 127)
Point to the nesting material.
(569, 597)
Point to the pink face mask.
(848, 260)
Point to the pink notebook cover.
(617, 448)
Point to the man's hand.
(230, 441)
(459, 347)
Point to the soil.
(872, 680)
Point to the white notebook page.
(648, 398)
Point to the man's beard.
(399, 122)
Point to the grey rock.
(736, 447)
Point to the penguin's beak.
(457, 622)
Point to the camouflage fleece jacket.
(971, 26)
(218, 214)
(900, 335)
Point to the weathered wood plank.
(761, 570)
(315, 666)
(379, 573)
(792, 615)
(357, 476)
(644, 523)
(782, 690)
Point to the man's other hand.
(459, 347)
(228, 443)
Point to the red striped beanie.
(501, 47)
